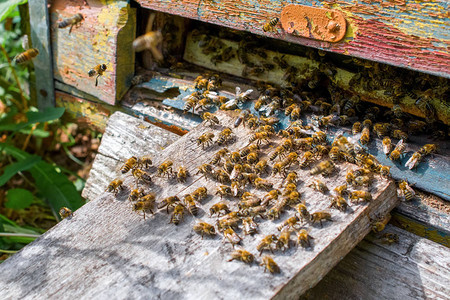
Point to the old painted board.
(137, 137)
(414, 268)
(107, 249)
(105, 36)
(40, 39)
(407, 33)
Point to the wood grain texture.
(106, 249)
(105, 36)
(405, 33)
(415, 268)
(137, 137)
(40, 39)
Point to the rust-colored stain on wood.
(315, 23)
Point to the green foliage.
(16, 242)
(20, 165)
(18, 198)
(8, 7)
(54, 186)
(49, 114)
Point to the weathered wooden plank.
(124, 255)
(415, 268)
(305, 67)
(40, 39)
(105, 36)
(137, 138)
(405, 33)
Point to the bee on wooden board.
(25, 56)
(115, 186)
(169, 202)
(182, 174)
(320, 216)
(204, 228)
(97, 70)
(200, 194)
(270, 26)
(249, 226)
(284, 240)
(165, 168)
(210, 118)
(129, 164)
(135, 194)
(190, 204)
(270, 264)
(145, 203)
(177, 215)
(406, 190)
(398, 150)
(266, 243)
(304, 239)
(205, 139)
(232, 237)
(72, 21)
(225, 136)
(65, 212)
(141, 175)
(318, 185)
(242, 255)
(389, 238)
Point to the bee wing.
(399, 144)
(246, 93)
(231, 103)
(25, 42)
(212, 95)
(238, 91)
(411, 162)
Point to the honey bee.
(200, 194)
(292, 177)
(261, 167)
(398, 150)
(242, 255)
(365, 136)
(306, 159)
(129, 164)
(97, 70)
(115, 186)
(217, 157)
(259, 137)
(356, 128)
(334, 153)
(141, 175)
(144, 161)
(357, 196)
(182, 174)
(254, 211)
(269, 121)
(320, 216)
(200, 82)
(325, 168)
(169, 202)
(303, 212)
(270, 196)
(279, 168)
(205, 169)
(224, 136)
(252, 158)
(381, 129)
(304, 239)
(284, 239)
(232, 236)
(290, 223)
(263, 184)
(204, 228)
(270, 264)
(318, 185)
(270, 26)
(26, 56)
(249, 200)
(401, 135)
(65, 212)
(414, 160)
(230, 220)
(235, 157)
(177, 215)
(165, 168)
(149, 41)
(219, 175)
(379, 223)
(210, 118)
(389, 238)
(341, 190)
(250, 227)
(290, 159)
(385, 172)
(145, 203)
(339, 203)
(72, 21)
(387, 145)
(205, 139)
(275, 211)
(135, 194)
(243, 116)
(218, 208)
(428, 149)
(266, 243)
(224, 190)
(277, 152)
(406, 190)
(190, 204)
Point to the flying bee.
(389, 238)
(204, 228)
(406, 190)
(249, 225)
(205, 139)
(387, 145)
(136, 194)
(357, 196)
(270, 26)
(224, 190)
(303, 212)
(145, 203)
(259, 137)
(306, 160)
(356, 128)
(284, 240)
(219, 154)
(232, 236)
(304, 239)
(266, 243)
(398, 150)
(225, 136)
(242, 255)
(72, 21)
(25, 56)
(414, 160)
(290, 223)
(200, 194)
(115, 186)
(318, 185)
(190, 204)
(339, 203)
(177, 215)
(165, 168)
(320, 216)
(129, 164)
(169, 202)
(65, 212)
(149, 41)
(97, 70)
